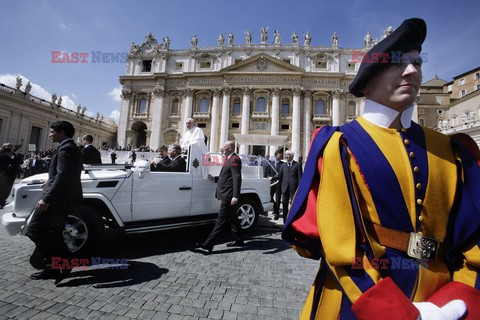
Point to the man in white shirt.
(193, 135)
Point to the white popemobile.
(135, 199)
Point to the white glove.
(453, 310)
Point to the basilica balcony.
(321, 117)
(351, 118)
(137, 115)
(201, 115)
(260, 115)
(286, 116)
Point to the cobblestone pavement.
(166, 278)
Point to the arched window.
(142, 106)
(285, 107)
(204, 105)
(320, 107)
(236, 106)
(174, 109)
(351, 110)
(261, 105)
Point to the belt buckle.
(422, 247)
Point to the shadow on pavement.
(142, 245)
(103, 276)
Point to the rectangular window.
(205, 64)
(421, 111)
(285, 127)
(421, 121)
(146, 65)
(321, 65)
(236, 108)
(235, 125)
(179, 66)
(350, 66)
(477, 75)
(477, 87)
(287, 60)
(35, 135)
(462, 81)
(463, 93)
(201, 125)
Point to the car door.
(160, 195)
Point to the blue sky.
(32, 29)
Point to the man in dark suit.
(271, 170)
(35, 165)
(228, 192)
(7, 158)
(177, 163)
(288, 176)
(162, 158)
(90, 154)
(62, 191)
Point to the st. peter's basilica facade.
(266, 88)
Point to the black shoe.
(45, 274)
(238, 243)
(275, 216)
(204, 247)
(62, 275)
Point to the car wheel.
(247, 211)
(84, 228)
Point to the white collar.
(383, 116)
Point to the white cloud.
(74, 96)
(115, 94)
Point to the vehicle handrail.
(97, 167)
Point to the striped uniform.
(411, 180)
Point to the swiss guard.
(390, 208)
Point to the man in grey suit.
(289, 176)
(228, 192)
(62, 191)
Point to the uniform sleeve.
(464, 232)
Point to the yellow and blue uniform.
(410, 180)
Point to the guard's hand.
(43, 183)
(234, 201)
(453, 310)
(42, 206)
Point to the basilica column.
(124, 115)
(307, 121)
(245, 118)
(275, 117)
(157, 115)
(188, 108)
(296, 123)
(214, 122)
(360, 106)
(225, 116)
(336, 115)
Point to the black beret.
(408, 36)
